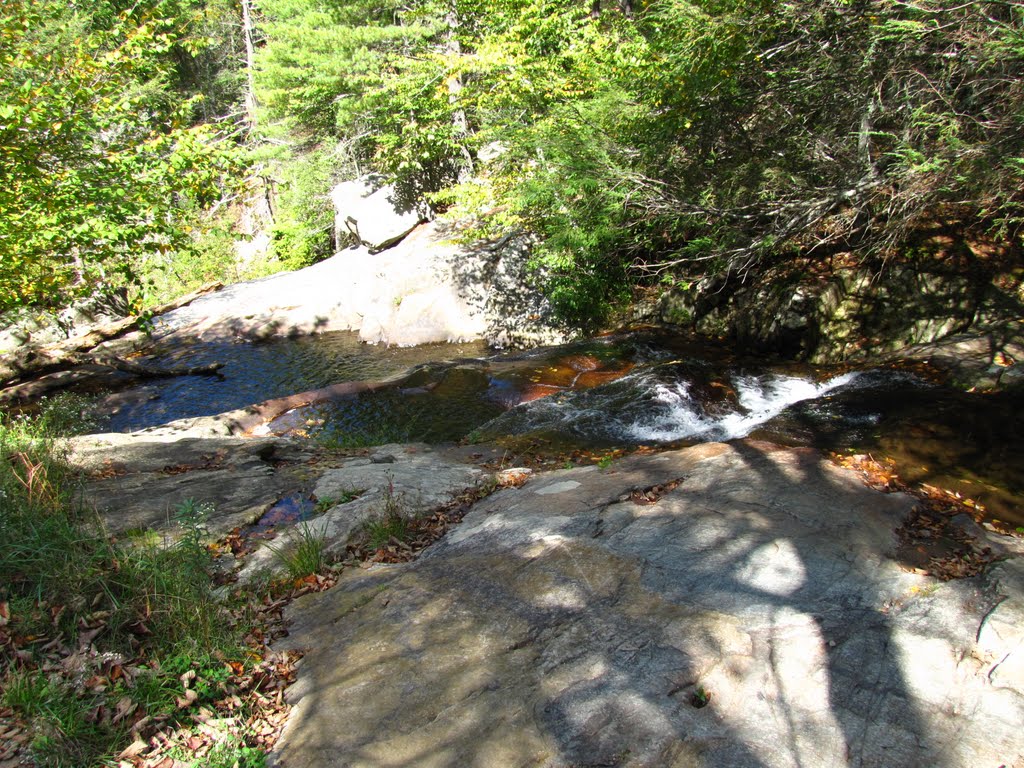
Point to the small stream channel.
(616, 391)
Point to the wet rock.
(976, 360)
(562, 624)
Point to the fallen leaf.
(125, 706)
(137, 747)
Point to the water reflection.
(261, 371)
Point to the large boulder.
(366, 212)
(428, 288)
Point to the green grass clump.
(99, 632)
(306, 556)
(344, 497)
(392, 522)
(381, 530)
(230, 751)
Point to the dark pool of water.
(972, 444)
(256, 372)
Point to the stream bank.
(651, 388)
(742, 604)
(831, 308)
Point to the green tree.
(680, 138)
(99, 164)
(835, 125)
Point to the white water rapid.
(680, 416)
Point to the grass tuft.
(306, 556)
(344, 497)
(393, 521)
(381, 530)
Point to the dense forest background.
(645, 143)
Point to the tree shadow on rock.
(564, 625)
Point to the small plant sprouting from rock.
(306, 556)
(344, 497)
(392, 499)
(605, 461)
(392, 523)
(701, 697)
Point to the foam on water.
(678, 416)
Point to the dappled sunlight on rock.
(751, 615)
(775, 568)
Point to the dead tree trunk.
(248, 34)
(32, 361)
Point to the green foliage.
(64, 415)
(207, 60)
(101, 165)
(368, 72)
(693, 138)
(210, 256)
(381, 530)
(229, 751)
(67, 734)
(303, 232)
(191, 516)
(845, 124)
(318, 53)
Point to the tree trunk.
(455, 85)
(250, 65)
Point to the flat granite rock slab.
(408, 479)
(752, 615)
(137, 480)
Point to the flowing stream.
(616, 391)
